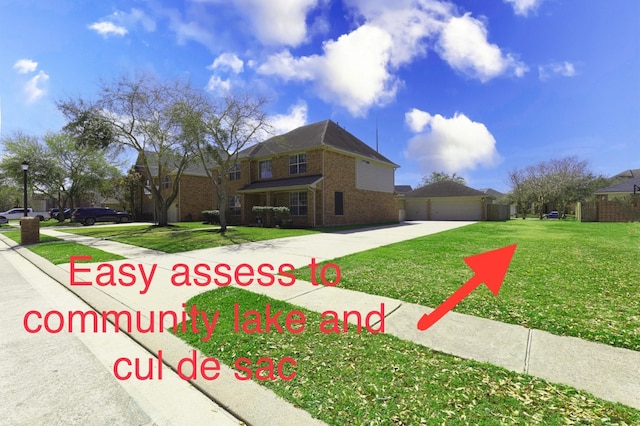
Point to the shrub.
(211, 216)
(281, 215)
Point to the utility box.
(29, 230)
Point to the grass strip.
(566, 277)
(180, 238)
(58, 251)
(358, 379)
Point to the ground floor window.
(298, 203)
(339, 203)
(234, 205)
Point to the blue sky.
(472, 87)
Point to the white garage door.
(455, 209)
(416, 209)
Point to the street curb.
(248, 401)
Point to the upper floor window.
(234, 172)
(265, 169)
(167, 182)
(298, 164)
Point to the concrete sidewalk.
(65, 378)
(607, 372)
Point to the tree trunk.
(162, 214)
(222, 208)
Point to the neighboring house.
(194, 195)
(402, 189)
(619, 202)
(628, 174)
(324, 174)
(629, 186)
(497, 195)
(447, 200)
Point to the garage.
(456, 209)
(446, 200)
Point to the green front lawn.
(185, 236)
(566, 277)
(58, 251)
(372, 379)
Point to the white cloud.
(283, 123)
(410, 23)
(464, 45)
(24, 66)
(562, 69)
(118, 23)
(106, 29)
(359, 70)
(353, 71)
(218, 85)
(278, 22)
(285, 66)
(34, 89)
(227, 61)
(523, 7)
(451, 144)
(136, 16)
(190, 30)
(417, 120)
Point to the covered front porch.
(300, 194)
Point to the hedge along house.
(324, 174)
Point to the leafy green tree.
(10, 194)
(124, 189)
(88, 127)
(441, 176)
(58, 167)
(147, 115)
(519, 195)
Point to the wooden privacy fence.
(627, 210)
(497, 212)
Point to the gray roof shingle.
(625, 186)
(446, 188)
(321, 134)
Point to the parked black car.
(55, 212)
(91, 215)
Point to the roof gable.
(193, 167)
(631, 173)
(317, 135)
(625, 186)
(445, 188)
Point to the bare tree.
(225, 127)
(570, 181)
(145, 114)
(556, 183)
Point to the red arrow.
(489, 267)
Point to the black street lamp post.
(25, 167)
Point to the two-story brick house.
(324, 174)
